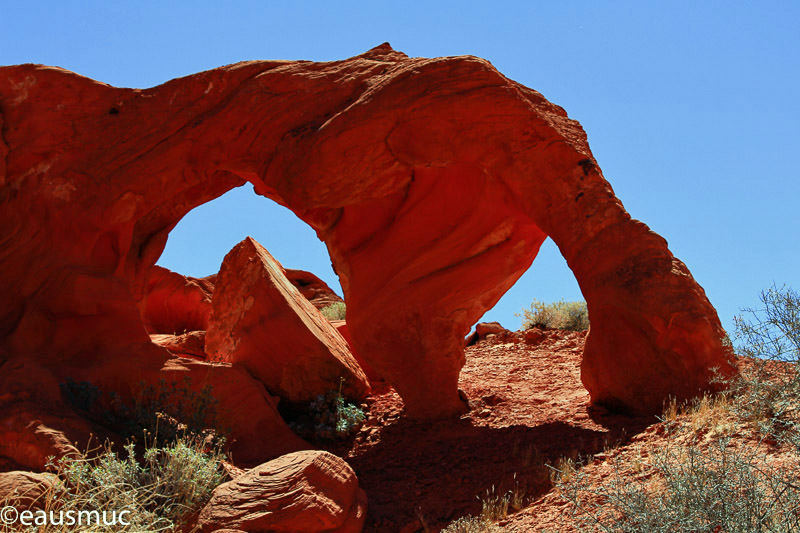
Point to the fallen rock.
(303, 491)
(429, 206)
(176, 304)
(261, 322)
(191, 344)
(25, 490)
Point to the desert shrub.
(689, 489)
(328, 417)
(161, 489)
(470, 524)
(572, 316)
(335, 311)
(717, 486)
(162, 411)
(767, 390)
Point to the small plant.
(494, 506)
(335, 311)
(329, 416)
(470, 524)
(573, 316)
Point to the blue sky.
(691, 109)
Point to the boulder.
(176, 304)
(26, 490)
(430, 207)
(304, 491)
(189, 344)
(261, 322)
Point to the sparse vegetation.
(572, 316)
(731, 462)
(159, 488)
(470, 524)
(329, 416)
(494, 507)
(335, 311)
(165, 410)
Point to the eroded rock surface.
(433, 182)
(303, 491)
(262, 322)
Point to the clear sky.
(692, 110)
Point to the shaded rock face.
(176, 304)
(262, 322)
(433, 182)
(314, 289)
(302, 491)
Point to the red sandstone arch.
(433, 182)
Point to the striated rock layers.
(433, 182)
(302, 491)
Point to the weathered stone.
(304, 491)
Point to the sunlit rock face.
(433, 182)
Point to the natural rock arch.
(433, 182)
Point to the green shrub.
(328, 417)
(572, 316)
(335, 311)
(170, 483)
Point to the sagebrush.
(160, 488)
(335, 311)
(573, 316)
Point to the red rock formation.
(303, 491)
(262, 322)
(433, 182)
(341, 327)
(314, 289)
(174, 303)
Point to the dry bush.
(335, 311)
(572, 316)
(714, 486)
(169, 483)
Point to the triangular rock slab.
(261, 321)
